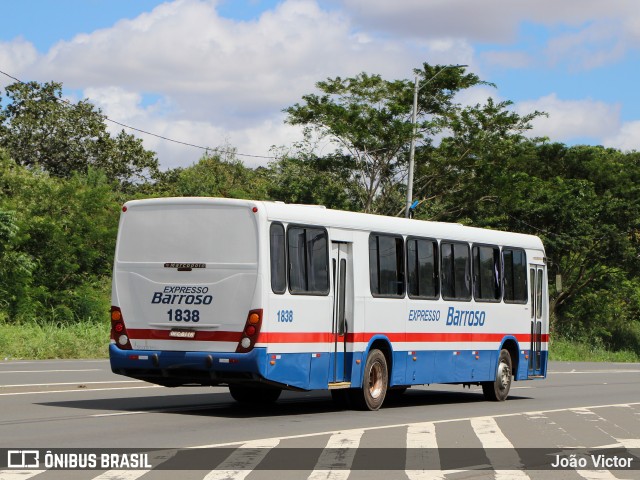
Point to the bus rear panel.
(186, 292)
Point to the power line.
(179, 142)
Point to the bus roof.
(319, 215)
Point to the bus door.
(536, 290)
(342, 274)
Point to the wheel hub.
(504, 374)
(375, 380)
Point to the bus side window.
(308, 260)
(514, 263)
(278, 258)
(456, 271)
(486, 273)
(386, 265)
(422, 268)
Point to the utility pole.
(412, 150)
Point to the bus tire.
(498, 390)
(374, 384)
(254, 395)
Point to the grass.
(564, 350)
(40, 341)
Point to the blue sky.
(219, 72)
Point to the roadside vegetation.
(63, 179)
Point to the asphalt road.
(81, 404)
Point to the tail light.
(118, 330)
(251, 331)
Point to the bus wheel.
(374, 385)
(498, 390)
(254, 395)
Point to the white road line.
(120, 414)
(629, 443)
(52, 371)
(121, 475)
(596, 474)
(70, 383)
(11, 363)
(336, 459)
(19, 474)
(423, 459)
(243, 460)
(492, 438)
(156, 458)
(593, 371)
(77, 390)
(533, 414)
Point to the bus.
(266, 296)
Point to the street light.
(412, 150)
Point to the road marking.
(53, 371)
(596, 474)
(19, 474)
(119, 414)
(42, 362)
(69, 383)
(337, 457)
(121, 475)
(492, 438)
(243, 460)
(80, 390)
(629, 443)
(423, 460)
(400, 425)
(593, 371)
(186, 408)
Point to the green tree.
(40, 129)
(461, 178)
(308, 179)
(369, 119)
(58, 238)
(218, 174)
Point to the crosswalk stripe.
(243, 460)
(629, 443)
(492, 438)
(423, 460)
(596, 474)
(19, 474)
(337, 457)
(121, 475)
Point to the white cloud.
(14, 57)
(221, 80)
(489, 20)
(571, 119)
(252, 142)
(184, 72)
(627, 138)
(507, 59)
(600, 32)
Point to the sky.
(218, 73)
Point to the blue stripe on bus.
(315, 371)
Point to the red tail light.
(251, 331)
(118, 329)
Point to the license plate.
(182, 333)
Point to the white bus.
(265, 296)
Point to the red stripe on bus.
(327, 337)
(314, 337)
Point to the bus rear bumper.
(173, 369)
